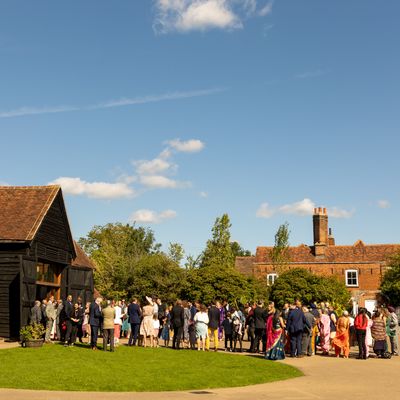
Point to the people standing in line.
(392, 329)
(341, 341)
(146, 326)
(201, 321)
(108, 315)
(95, 316)
(360, 325)
(260, 317)
(51, 314)
(306, 342)
(177, 322)
(67, 311)
(134, 315)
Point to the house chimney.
(331, 238)
(320, 225)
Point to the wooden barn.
(38, 256)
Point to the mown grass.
(128, 369)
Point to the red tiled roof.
(359, 252)
(22, 209)
(81, 260)
(245, 264)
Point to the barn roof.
(81, 260)
(22, 210)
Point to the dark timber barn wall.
(35, 234)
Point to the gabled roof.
(359, 252)
(22, 209)
(82, 260)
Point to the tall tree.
(390, 286)
(176, 252)
(239, 251)
(280, 252)
(218, 250)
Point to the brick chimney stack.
(320, 225)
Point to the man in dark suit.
(95, 321)
(134, 315)
(260, 315)
(213, 325)
(67, 311)
(295, 325)
(177, 321)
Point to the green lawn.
(129, 369)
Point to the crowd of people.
(295, 330)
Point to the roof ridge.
(8, 187)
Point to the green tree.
(116, 249)
(301, 284)
(280, 252)
(218, 251)
(192, 262)
(176, 252)
(390, 286)
(239, 251)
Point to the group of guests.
(301, 331)
(296, 330)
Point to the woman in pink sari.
(324, 331)
(275, 335)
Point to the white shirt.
(118, 315)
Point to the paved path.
(325, 379)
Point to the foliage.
(239, 251)
(218, 250)
(390, 286)
(23, 369)
(213, 282)
(176, 252)
(280, 252)
(303, 285)
(116, 249)
(192, 262)
(156, 274)
(32, 332)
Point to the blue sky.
(172, 112)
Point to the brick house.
(360, 266)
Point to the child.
(156, 326)
(227, 326)
(166, 326)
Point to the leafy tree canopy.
(390, 286)
(301, 284)
(280, 252)
(239, 251)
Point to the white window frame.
(347, 277)
(272, 276)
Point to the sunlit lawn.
(54, 367)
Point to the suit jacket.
(177, 316)
(68, 307)
(134, 313)
(94, 314)
(36, 314)
(260, 317)
(108, 317)
(296, 321)
(213, 316)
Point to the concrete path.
(325, 378)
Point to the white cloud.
(301, 208)
(161, 182)
(99, 190)
(23, 111)
(383, 204)
(189, 146)
(265, 211)
(152, 217)
(152, 167)
(201, 15)
(204, 195)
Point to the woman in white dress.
(201, 326)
